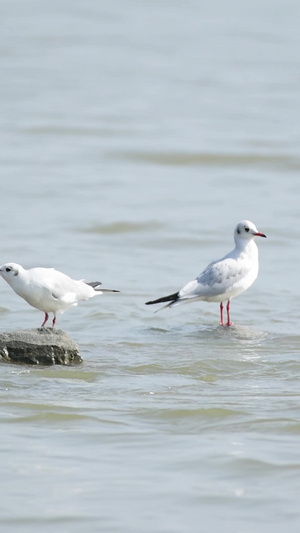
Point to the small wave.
(116, 228)
(209, 413)
(210, 159)
(78, 131)
(49, 417)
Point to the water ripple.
(210, 159)
(116, 228)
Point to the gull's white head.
(246, 230)
(9, 271)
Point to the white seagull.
(48, 289)
(224, 278)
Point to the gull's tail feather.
(97, 287)
(108, 290)
(172, 298)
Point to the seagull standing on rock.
(225, 278)
(48, 289)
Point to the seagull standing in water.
(225, 278)
(48, 289)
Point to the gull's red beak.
(258, 234)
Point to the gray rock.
(43, 346)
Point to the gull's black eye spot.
(8, 269)
(247, 229)
(238, 231)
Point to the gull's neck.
(245, 246)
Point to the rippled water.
(135, 135)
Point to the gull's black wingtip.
(170, 298)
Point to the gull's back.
(49, 290)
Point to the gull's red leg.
(221, 313)
(54, 320)
(229, 323)
(46, 318)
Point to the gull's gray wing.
(216, 279)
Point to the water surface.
(135, 135)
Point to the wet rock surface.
(42, 346)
